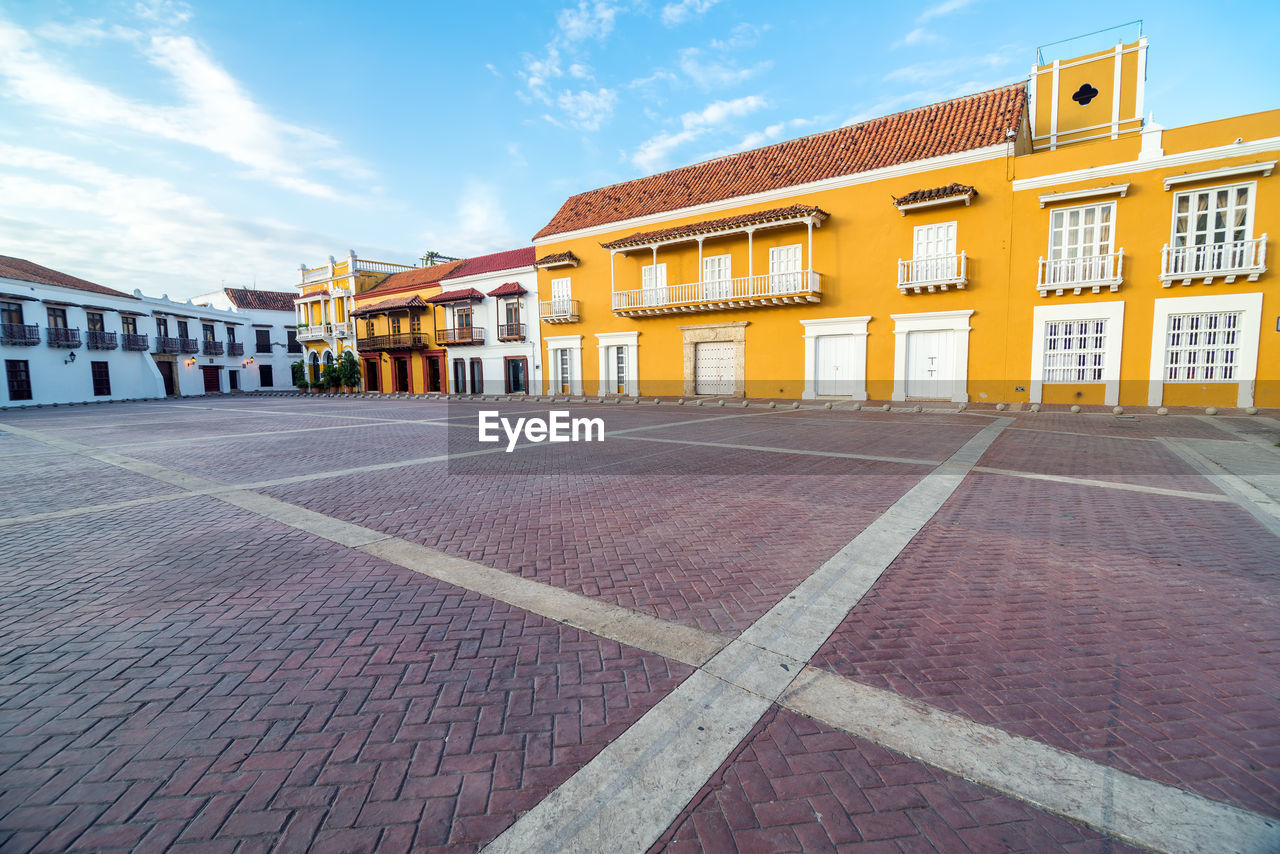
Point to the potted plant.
(348, 371)
(298, 370)
(332, 379)
(317, 386)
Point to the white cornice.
(1120, 190)
(976, 155)
(1226, 172)
(1168, 161)
(462, 281)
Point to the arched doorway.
(315, 367)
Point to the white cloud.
(652, 154)
(580, 71)
(917, 37)
(479, 224)
(741, 36)
(539, 73)
(493, 69)
(935, 69)
(946, 7)
(719, 112)
(770, 134)
(215, 113)
(677, 13)
(714, 74)
(587, 21)
(588, 110)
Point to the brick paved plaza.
(328, 624)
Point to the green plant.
(348, 370)
(299, 371)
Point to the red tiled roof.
(556, 259)
(416, 278)
(729, 222)
(508, 289)
(25, 271)
(456, 296)
(498, 261)
(949, 191)
(323, 292)
(396, 303)
(264, 300)
(961, 124)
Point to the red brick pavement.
(797, 785)
(1139, 426)
(53, 480)
(1135, 630)
(195, 675)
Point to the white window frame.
(790, 281)
(720, 287)
(607, 355)
(1250, 307)
(930, 321)
(1096, 247)
(1251, 186)
(653, 284)
(573, 345)
(1112, 312)
(815, 329)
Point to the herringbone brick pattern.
(195, 675)
(1136, 630)
(1141, 461)
(798, 786)
(1138, 427)
(57, 481)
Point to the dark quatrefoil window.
(1084, 94)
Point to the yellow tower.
(1095, 96)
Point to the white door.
(653, 281)
(833, 357)
(784, 269)
(560, 296)
(713, 367)
(716, 277)
(931, 364)
(935, 249)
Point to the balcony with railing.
(934, 273)
(189, 345)
(167, 346)
(743, 292)
(394, 341)
(20, 334)
(212, 348)
(460, 335)
(511, 332)
(343, 330)
(315, 331)
(99, 340)
(235, 348)
(1094, 272)
(558, 311)
(60, 336)
(1208, 261)
(135, 341)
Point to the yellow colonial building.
(1040, 242)
(395, 332)
(325, 302)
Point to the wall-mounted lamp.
(71, 357)
(190, 363)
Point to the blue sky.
(178, 147)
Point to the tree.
(299, 371)
(348, 370)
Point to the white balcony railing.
(316, 274)
(743, 292)
(342, 330)
(558, 310)
(1208, 261)
(364, 266)
(936, 273)
(1075, 274)
(311, 333)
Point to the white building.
(270, 342)
(486, 315)
(67, 340)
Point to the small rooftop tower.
(1088, 95)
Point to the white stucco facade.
(504, 331)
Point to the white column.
(810, 246)
(751, 256)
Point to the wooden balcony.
(803, 286)
(189, 345)
(235, 348)
(511, 332)
(167, 345)
(558, 311)
(98, 340)
(20, 334)
(1208, 261)
(394, 341)
(135, 342)
(212, 348)
(59, 336)
(460, 335)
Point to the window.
(565, 372)
(415, 322)
(265, 377)
(162, 327)
(560, 292)
(182, 329)
(233, 380)
(129, 324)
(620, 370)
(291, 337)
(477, 376)
(231, 335)
(207, 329)
(57, 318)
(653, 281)
(459, 376)
(784, 269)
(262, 340)
(101, 379)
(395, 326)
(1202, 347)
(11, 312)
(511, 311)
(1075, 351)
(717, 277)
(934, 252)
(1218, 215)
(19, 376)
(368, 328)
(462, 316)
(94, 322)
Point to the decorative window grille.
(1202, 347)
(1075, 351)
